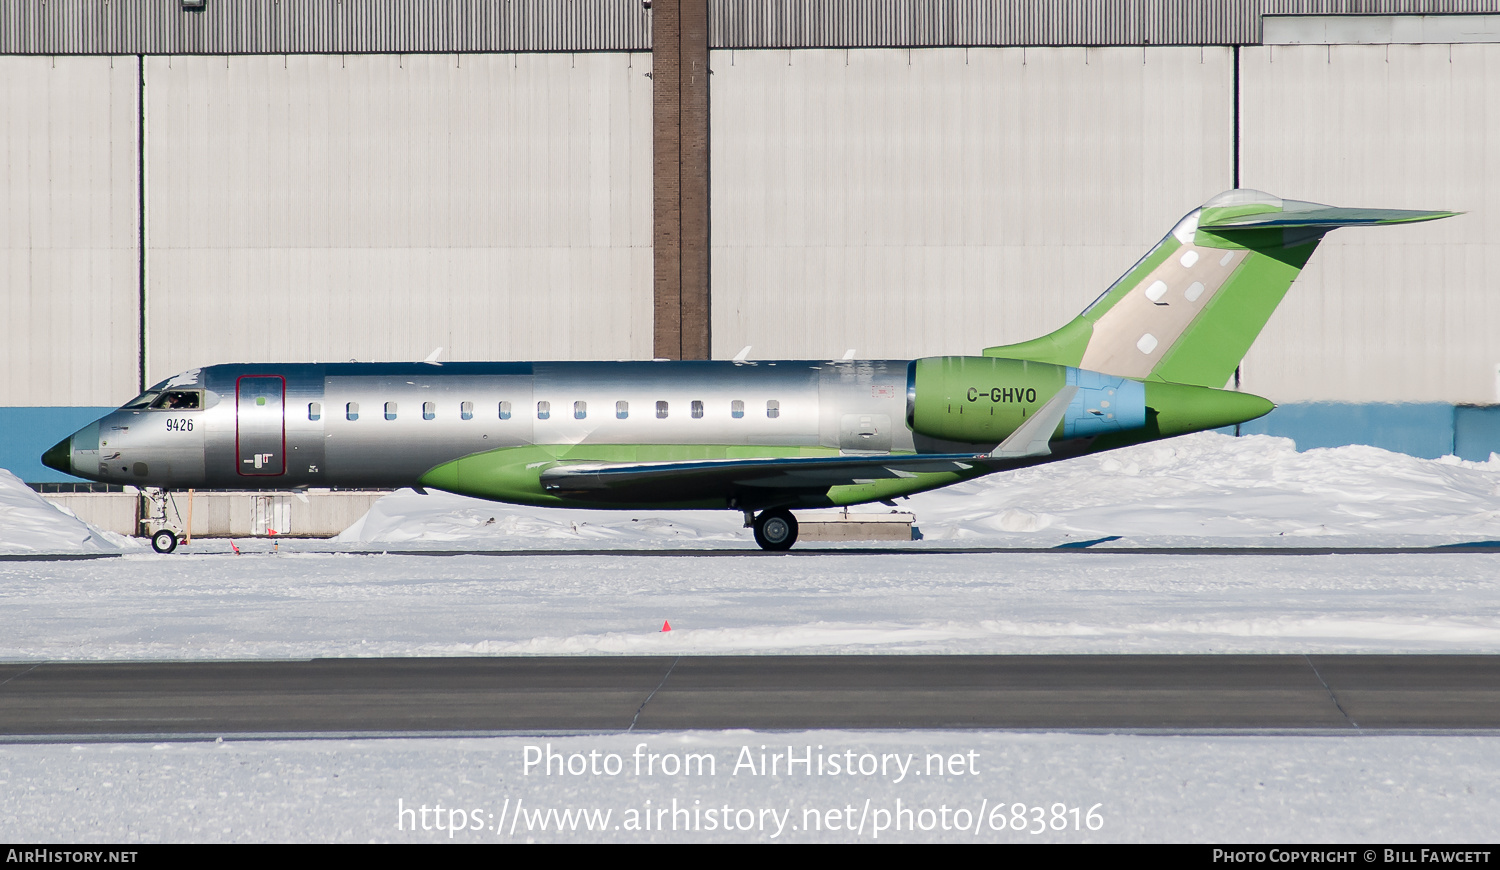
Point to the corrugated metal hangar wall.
(911, 203)
(915, 203)
(372, 180)
(320, 207)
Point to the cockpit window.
(142, 400)
(178, 400)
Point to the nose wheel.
(775, 529)
(164, 541)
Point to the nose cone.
(1181, 409)
(60, 456)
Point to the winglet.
(1031, 439)
(432, 357)
(1294, 214)
(743, 355)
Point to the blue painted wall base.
(1428, 430)
(1424, 430)
(26, 433)
(1476, 431)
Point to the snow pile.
(1198, 486)
(31, 524)
(1211, 485)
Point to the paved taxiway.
(618, 693)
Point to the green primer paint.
(1178, 409)
(1063, 347)
(1212, 346)
(979, 399)
(513, 474)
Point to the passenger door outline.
(257, 428)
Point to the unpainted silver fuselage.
(385, 424)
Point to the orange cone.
(665, 625)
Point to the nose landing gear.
(164, 539)
(775, 529)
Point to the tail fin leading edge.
(1188, 311)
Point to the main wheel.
(776, 529)
(164, 541)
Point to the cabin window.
(622, 410)
(697, 410)
(351, 411)
(429, 410)
(773, 409)
(580, 410)
(543, 410)
(505, 410)
(466, 410)
(736, 409)
(390, 410)
(314, 411)
(661, 410)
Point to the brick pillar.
(679, 164)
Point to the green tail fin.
(1190, 309)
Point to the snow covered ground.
(1210, 789)
(1199, 489)
(296, 605)
(321, 599)
(314, 598)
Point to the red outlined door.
(260, 426)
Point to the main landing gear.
(775, 529)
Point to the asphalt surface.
(58, 701)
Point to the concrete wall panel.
(224, 514)
(907, 203)
(1393, 314)
(68, 230)
(377, 207)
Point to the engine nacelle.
(981, 400)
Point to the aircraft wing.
(802, 472)
(808, 473)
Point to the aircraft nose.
(60, 457)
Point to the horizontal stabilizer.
(1310, 214)
(1031, 438)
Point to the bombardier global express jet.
(1141, 363)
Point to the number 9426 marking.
(179, 425)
